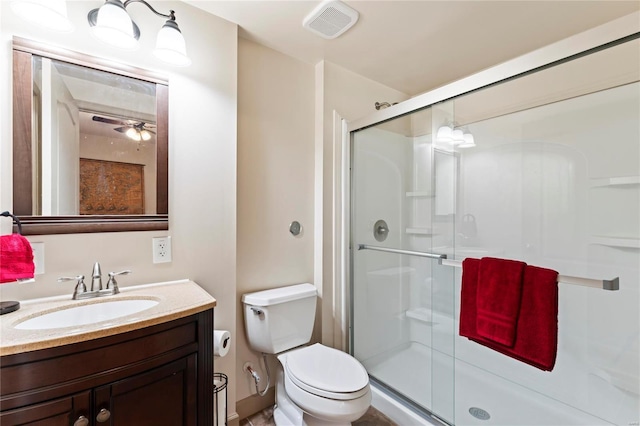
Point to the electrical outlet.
(161, 249)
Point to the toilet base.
(282, 420)
(287, 413)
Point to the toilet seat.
(327, 372)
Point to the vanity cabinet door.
(166, 395)
(60, 412)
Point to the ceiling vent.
(330, 19)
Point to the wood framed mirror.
(90, 143)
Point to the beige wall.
(275, 181)
(202, 164)
(283, 105)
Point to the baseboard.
(233, 420)
(255, 403)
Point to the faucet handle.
(79, 278)
(112, 283)
(80, 286)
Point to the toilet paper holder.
(220, 381)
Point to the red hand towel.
(498, 299)
(16, 258)
(537, 330)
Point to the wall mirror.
(90, 143)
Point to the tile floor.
(372, 417)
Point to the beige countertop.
(176, 299)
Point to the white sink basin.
(86, 314)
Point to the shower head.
(381, 105)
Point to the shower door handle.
(438, 256)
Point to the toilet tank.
(281, 318)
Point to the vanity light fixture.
(469, 141)
(444, 135)
(112, 24)
(458, 136)
(447, 135)
(51, 14)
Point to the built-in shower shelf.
(615, 181)
(420, 314)
(419, 231)
(611, 241)
(422, 194)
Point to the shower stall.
(538, 163)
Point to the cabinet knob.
(82, 421)
(103, 415)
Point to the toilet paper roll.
(221, 342)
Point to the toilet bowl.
(315, 385)
(328, 386)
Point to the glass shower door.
(402, 297)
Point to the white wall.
(202, 164)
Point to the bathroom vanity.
(153, 367)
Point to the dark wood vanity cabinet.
(58, 412)
(158, 375)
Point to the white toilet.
(315, 385)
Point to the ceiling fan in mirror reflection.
(136, 130)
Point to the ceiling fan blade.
(122, 129)
(108, 120)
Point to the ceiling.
(415, 46)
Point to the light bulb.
(145, 135)
(133, 134)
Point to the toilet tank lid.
(279, 295)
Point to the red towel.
(16, 258)
(468, 297)
(537, 328)
(498, 299)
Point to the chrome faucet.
(80, 291)
(96, 278)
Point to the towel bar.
(611, 285)
(15, 219)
